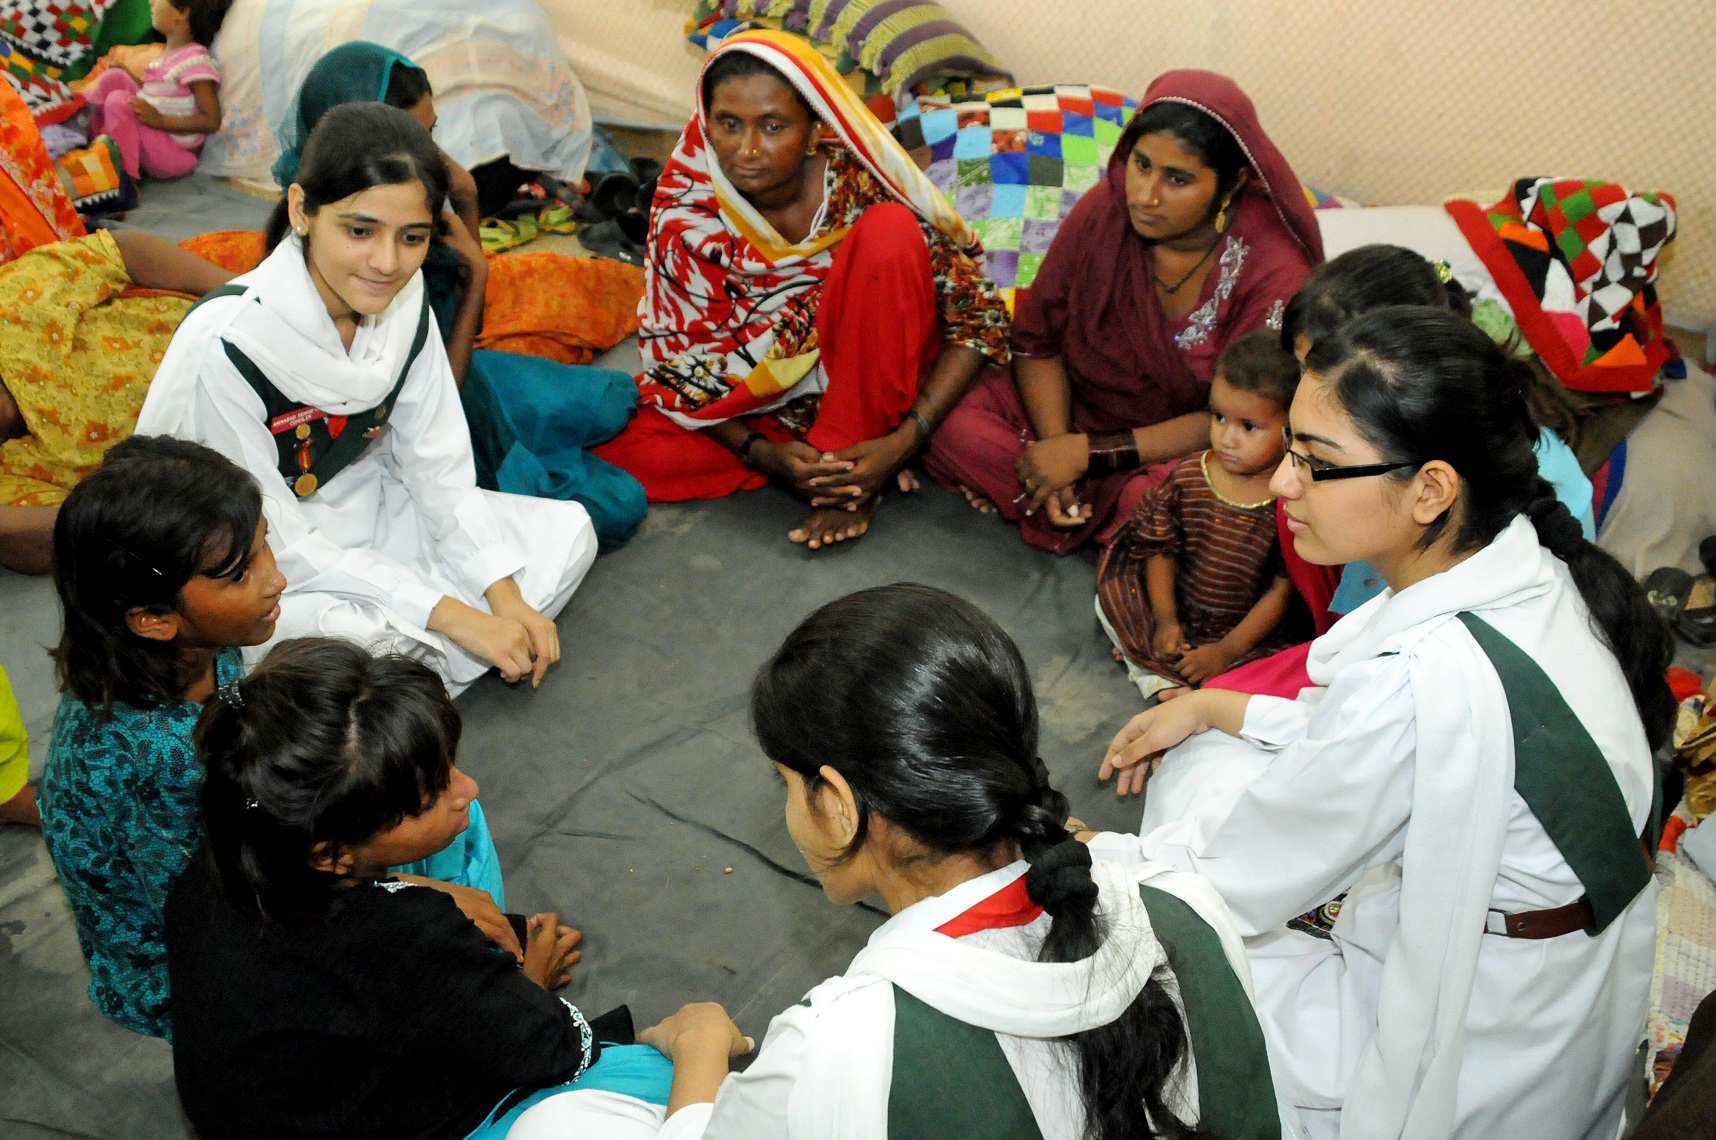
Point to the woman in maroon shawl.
(1199, 233)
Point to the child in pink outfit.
(160, 124)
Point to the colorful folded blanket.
(1013, 163)
(94, 178)
(1577, 262)
(903, 43)
(42, 45)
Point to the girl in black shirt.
(312, 996)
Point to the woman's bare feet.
(907, 481)
(980, 504)
(829, 525)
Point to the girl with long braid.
(1017, 991)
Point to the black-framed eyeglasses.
(1321, 472)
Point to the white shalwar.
(1394, 781)
(825, 1068)
(369, 554)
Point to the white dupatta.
(282, 324)
(1405, 1084)
(847, 1086)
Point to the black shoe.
(1667, 588)
(1707, 554)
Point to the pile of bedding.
(502, 85)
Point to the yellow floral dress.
(78, 347)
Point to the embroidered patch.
(586, 1039)
(1202, 323)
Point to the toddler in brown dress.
(1193, 584)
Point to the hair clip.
(1444, 271)
(129, 553)
(231, 697)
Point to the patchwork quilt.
(1685, 953)
(1577, 261)
(1015, 162)
(42, 42)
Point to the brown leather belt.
(1552, 923)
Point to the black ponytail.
(925, 708)
(1423, 384)
(1634, 632)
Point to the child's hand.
(551, 952)
(700, 1025)
(1170, 641)
(1064, 510)
(1206, 661)
(146, 113)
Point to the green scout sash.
(952, 1081)
(1236, 1093)
(313, 446)
(1563, 778)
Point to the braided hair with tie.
(925, 708)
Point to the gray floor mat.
(619, 793)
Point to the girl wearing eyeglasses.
(1474, 767)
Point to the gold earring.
(811, 149)
(1221, 217)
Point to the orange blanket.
(537, 304)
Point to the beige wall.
(1391, 102)
(632, 56)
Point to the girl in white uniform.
(1017, 992)
(321, 373)
(1474, 770)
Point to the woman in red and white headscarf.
(812, 305)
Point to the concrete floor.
(620, 792)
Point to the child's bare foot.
(1115, 653)
(829, 525)
(979, 503)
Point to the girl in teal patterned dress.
(163, 571)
